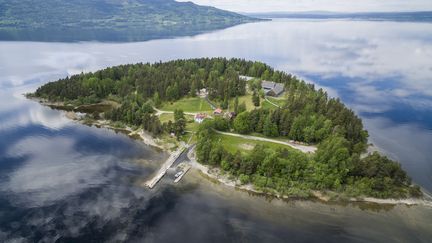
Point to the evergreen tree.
(236, 105)
(270, 129)
(179, 122)
(241, 108)
(156, 99)
(255, 99)
(241, 123)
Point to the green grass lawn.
(188, 105)
(191, 125)
(247, 99)
(266, 105)
(277, 101)
(232, 144)
(166, 117)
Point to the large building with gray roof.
(272, 88)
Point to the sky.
(318, 5)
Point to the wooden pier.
(165, 166)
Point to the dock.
(165, 166)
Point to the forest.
(108, 20)
(293, 173)
(307, 115)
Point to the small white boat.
(178, 174)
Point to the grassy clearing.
(187, 137)
(232, 144)
(266, 105)
(191, 125)
(188, 105)
(247, 99)
(166, 117)
(277, 101)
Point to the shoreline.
(146, 138)
(215, 173)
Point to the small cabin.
(230, 115)
(218, 111)
(199, 118)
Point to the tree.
(241, 108)
(156, 99)
(255, 99)
(334, 161)
(204, 142)
(241, 123)
(236, 105)
(270, 129)
(224, 104)
(220, 123)
(194, 88)
(147, 107)
(244, 179)
(155, 126)
(179, 122)
(216, 154)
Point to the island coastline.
(208, 170)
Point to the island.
(257, 128)
(107, 20)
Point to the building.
(247, 78)
(218, 111)
(199, 118)
(272, 88)
(230, 115)
(202, 93)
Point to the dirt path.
(271, 102)
(303, 148)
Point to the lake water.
(63, 181)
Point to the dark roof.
(268, 86)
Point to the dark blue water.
(67, 182)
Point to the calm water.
(63, 181)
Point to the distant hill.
(109, 20)
(425, 16)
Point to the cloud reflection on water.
(22, 113)
(373, 66)
(52, 174)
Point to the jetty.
(165, 166)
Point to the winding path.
(160, 112)
(265, 97)
(303, 148)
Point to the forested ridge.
(307, 115)
(108, 20)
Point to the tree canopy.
(306, 115)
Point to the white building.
(199, 118)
